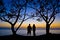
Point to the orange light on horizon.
(24, 25)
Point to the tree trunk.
(47, 28)
(13, 31)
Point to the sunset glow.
(25, 24)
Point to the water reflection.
(24, 32)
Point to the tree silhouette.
(14, 14)
(1, 8)
(47, 9)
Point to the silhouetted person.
(34, 29)
(29, 29)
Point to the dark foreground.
(41, 37)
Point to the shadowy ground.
(41, 37)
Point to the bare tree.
(47, 9)
(14, 14)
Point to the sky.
(39, 24)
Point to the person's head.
(33, 24)
(29, 24)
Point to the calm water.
(24, 32)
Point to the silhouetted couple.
(29, 29)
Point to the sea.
(23, 32)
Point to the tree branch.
(43, 16)
(22, 20)
(5, 20)
(52, 20)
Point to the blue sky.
(29, 10)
